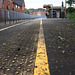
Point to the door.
(54, 13)
(58, 14)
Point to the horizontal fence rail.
(7, 15)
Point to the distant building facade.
(56, 12)
(39, 12)
(13, 5)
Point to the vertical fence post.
(16, 16)
(10, 17)
(0, 15)
(5, 16)
(13, 16)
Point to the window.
(16, 6)
(22, 8)
(8, 2)
(8, 7)
(2, 1)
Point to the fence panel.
(8, 16)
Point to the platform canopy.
(46, 6)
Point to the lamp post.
(51, 10)
(62, 10)
(65, 9)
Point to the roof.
(57, 7)
(20, 2)
(36, 10)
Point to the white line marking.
(12, 26)
(16, 25)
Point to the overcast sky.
(39, 3)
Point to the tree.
(70, 2)
(70, 9)
(26, 11)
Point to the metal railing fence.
(7, 15)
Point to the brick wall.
(20, 8)
(0, 3)
(9, 5)
(4, 4)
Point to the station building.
(54, 12)
(57, 13)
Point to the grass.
(71, 16)
(4, 44)
(27, 48)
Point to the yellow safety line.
(41, 62)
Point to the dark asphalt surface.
(8, 34)
(61, 53)
(18, 56)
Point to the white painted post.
(51, 10)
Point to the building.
(56, 12)
(13, 5)
(0, 3)
(39, 11)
